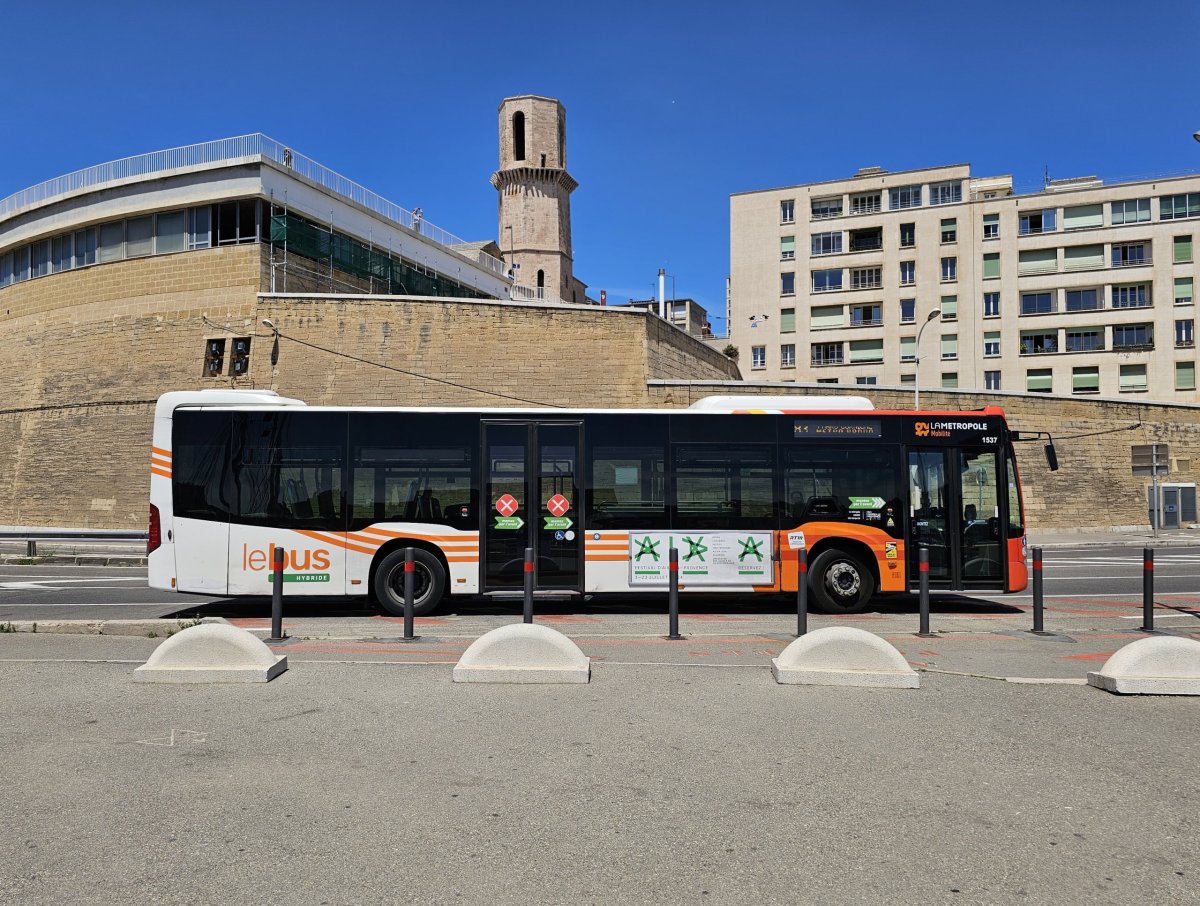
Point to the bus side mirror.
(1051, 457)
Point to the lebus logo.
(298, 565)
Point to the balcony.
(820, 360)
(1133, 261)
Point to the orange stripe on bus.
(462, 559)
(590, 558)
(164, 474)
(607, 547)
(472, 537)
(161, 452)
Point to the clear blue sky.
(671, 107)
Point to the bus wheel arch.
(430, 579)
(843, 576)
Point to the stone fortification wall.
(87, 352)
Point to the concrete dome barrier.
(843, 656)
(523, 653)
(212, 653)
(1161, 665)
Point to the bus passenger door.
(532, 499)
(931, 510)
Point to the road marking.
(192, 736)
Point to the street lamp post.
(936, 313)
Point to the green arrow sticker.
(557, 523)
(509, 522)
(865, 503)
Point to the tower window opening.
(543, 161)
(541, 284)
(518, 125)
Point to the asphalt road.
(358, 783)
(84, 592)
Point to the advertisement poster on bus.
(705, 558)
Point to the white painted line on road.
(1045, 681)
(174, 604)
(65, 660)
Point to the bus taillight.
(154, 538)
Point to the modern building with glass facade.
(1081, 288)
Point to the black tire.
(429, 582)
(840, 582)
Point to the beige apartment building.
(1079, 289)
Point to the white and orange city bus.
(598, 495)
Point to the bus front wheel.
(429, 582)
(840, 582)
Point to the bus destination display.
(830, 429)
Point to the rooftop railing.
(229, 152)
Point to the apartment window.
(866, 203)
(1039, 342)
(1037, 303)
(787, 284)
(949, 380)
(991, 305)
(787, 355)
(868, 380)
(1085, 379)
(866, 240)
(1039, 380)
(904, 197)
(949, 229)
(787, 320)
(1130, 254)
(1083, 217)
(908, 235)
(908, 311)
(787, 248)
(758, 356)
(991, 226)
(6, 269)
(170, 231)
(112, 241)
(1135, 296)
(85, 247)
(1083, 257)
(1083, 299)
(1183, 290)
(991, 380)
(1183, 332)
(908, 379)
(827, 353)
(949, 270)
(949, 346)
(199, 228)
(1037, 261)
(826, 243)
(1182, 249)
(39, 258)
(62, 252)
(823, 317)
(908, 273)
(139, 236)
(1036, 222)
(826, 281)
(1177, 207)
(991, 266)
(827, 380)
(1185, 375)
(866, 315)
(991, 344)
(1133, 336)
(866, 350)
(20, 264)
(1132, 378)
(949, 308)
(787, 211)
(826, 207)
(1088, 339)
(1132, 210)
(945, 192)
(908, 349)
(866, 278)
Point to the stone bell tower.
(535, 196)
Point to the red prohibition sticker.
(558, 505)
(507, 505)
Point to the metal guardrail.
(32, 536)
(241, 149)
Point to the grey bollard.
(673, 595)
(801, 592)
(1147, 589)
(1038, 602)
(277, 597)
(923, 573)
(527, 615)
(410, 576)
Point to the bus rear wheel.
(840, 582)
(429, 582)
